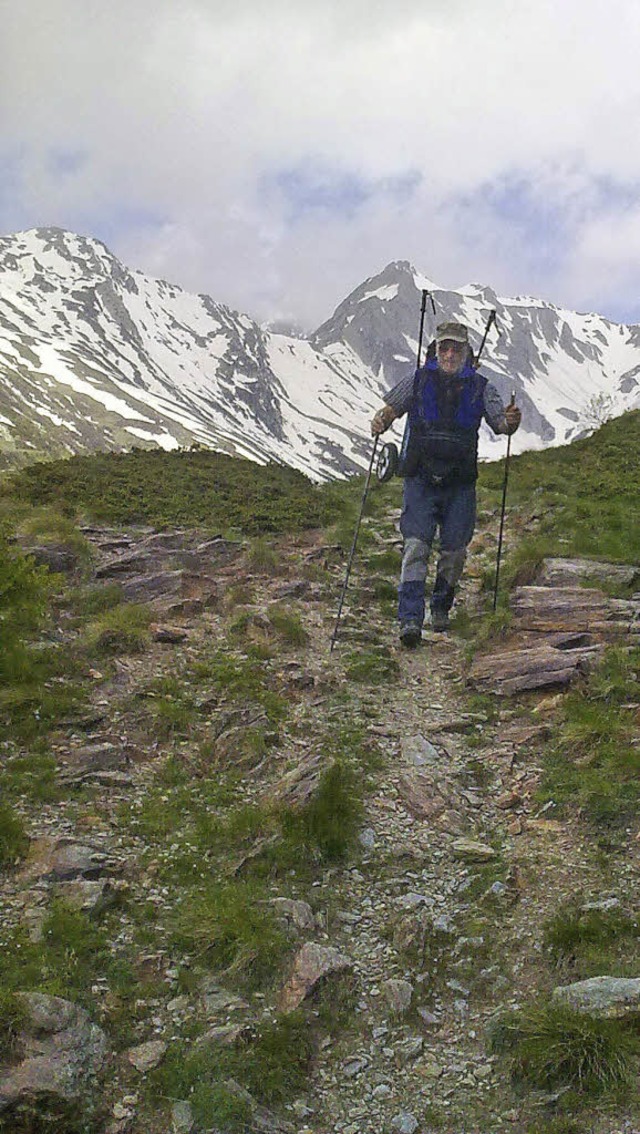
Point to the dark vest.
(441, 435)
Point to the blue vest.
(441, 435)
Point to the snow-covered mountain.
(95, 356)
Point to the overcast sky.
(275, 153)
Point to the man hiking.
(446, 401)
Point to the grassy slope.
(586, 496)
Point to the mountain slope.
(95, 356)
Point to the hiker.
(446, 401)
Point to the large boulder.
(603, 997)
(61, 1053)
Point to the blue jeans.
(425, 510)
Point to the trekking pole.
(425, 293)
(353, 544)
(504, 501)
(490, 321)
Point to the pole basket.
(387, 465)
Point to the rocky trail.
(431, 927)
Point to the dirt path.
(441, 912)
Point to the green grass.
(586, 942)
(547, 1046)
(227, 927)
(48, 525)
(585, 496)
(74, 952)
(271, 1062)
(29, 774)
(325, 829)
(187, 487)
(372, 667)
(123, 629)
(13, 838)
(12, 1018)
(263, 558)
(591, 762)
(287, 625)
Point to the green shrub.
(23, 602)
(197, 488)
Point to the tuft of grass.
(548, 1045)
(48, 525)
(325, 829)
(268, 1065)
(93, 599)
(169, 706)
(287, 625)
(239, 594)
(588, 941)
(484, 632)
(521, 566)
(30, 775)
(12, 1019)
(372, 667)
(592, 762)
(225, 926)
(120, 630)
(74, 952)
(263, 558)
(13, 838)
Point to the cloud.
(275, 155)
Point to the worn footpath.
(433, 924)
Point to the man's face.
(451, 355)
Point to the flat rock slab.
(65, 859)
(574, 609)
(79, 763)
(563, 572)
(536, 667)
(470, 850)
(432, 796)
(62, 1051)
(163, 588)
(605, 997)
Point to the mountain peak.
(35, 254)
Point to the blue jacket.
(441, 435)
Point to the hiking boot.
(410, 635)
(439, 620)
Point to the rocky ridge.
(96, 356)
(435, 920)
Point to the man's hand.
(382, 420)
(512, 417)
